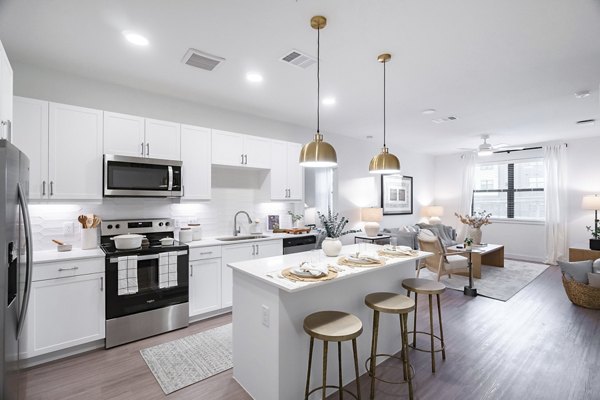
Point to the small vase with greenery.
(595, 241)
(295, 219)
(468, 243)
(333, 228)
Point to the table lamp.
(433, 213)
(592, 202)
(372, 216)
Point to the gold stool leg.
(310, 353)
(325, 343)
(431, 333)
(341, 392)
(441, 329)
(355, 351)
(415, 322)
(407, 375)
(374, 351)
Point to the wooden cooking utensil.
(83, 221)
(58, 242)
(96, 222)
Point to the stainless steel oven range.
(147, 287)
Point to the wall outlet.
(266, 316)
(68, 228)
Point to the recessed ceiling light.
(428, 111)
(369, 136)
(135, 38)
(254, 77)
(329, 101)
(582, 94)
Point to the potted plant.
(468, 243)
(295, 219)
(595, 241)
(333, 227)
(475, 222)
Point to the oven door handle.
(114, 260)
(170, 168)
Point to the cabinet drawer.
(201, 253)
(67, 268)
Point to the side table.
(371, 239)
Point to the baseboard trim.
(200, 317)
(60, 354)
(523, 257)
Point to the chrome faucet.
(236, 228)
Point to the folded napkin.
(313, 269)
(399, 250)
(364, 258)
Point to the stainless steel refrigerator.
(15, 262)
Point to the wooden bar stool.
(390, 303)
(332, 326)
(429, 287)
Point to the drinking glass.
(394, 241)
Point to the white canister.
(196, 231)
(185, 235)
(89, 238)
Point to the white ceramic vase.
(475, 234)
(332, 247)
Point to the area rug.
(188, 360)
(496, 283)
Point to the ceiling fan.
(487, 149)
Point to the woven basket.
(581, 294)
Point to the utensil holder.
(89, 238)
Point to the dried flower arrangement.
(477, 220)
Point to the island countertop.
(269, 269)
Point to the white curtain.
(556, 202)
(466, 196)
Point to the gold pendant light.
(384, 162)
(318, 154)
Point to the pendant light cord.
(384, 104)
(318, 77)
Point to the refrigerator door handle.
(29, 249)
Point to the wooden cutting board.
(293, 231)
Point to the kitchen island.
(270, 347)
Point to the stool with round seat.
(390, 303)
(428, 287)
(332, 326)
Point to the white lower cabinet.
(64, 312)
(243, 252)
(205, 286)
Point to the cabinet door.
(30, 135)
(163, 139)
(295, 173)
(231, 254)
(75, 152)
(64, 312)
(123, 134)
(195, 154)
(205, 286)
(6, 93)
(279, 155)
(269, 248)
(227, 148)
(257, 152)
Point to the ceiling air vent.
(199, 59)
(444, 120)
(298, 59)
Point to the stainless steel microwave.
(125, 176)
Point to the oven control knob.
(109, 226)
(117, 226)
(160, 224)
(167, 223)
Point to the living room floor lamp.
(592, 202)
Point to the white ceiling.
(507, 68)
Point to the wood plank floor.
(535, 346)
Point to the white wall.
(527, 240)
(357, 188)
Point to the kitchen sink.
(236, 238)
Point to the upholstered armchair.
(442, 262)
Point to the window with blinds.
(511, 189)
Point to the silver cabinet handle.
(253, 250)
(257, 248)
(205, 253)
(242, 162)
(246, 159)
(43, 188)
(191, 269)
(148, 149)
(142, 149)
(102, 284)
(68, 269)
(51, 188)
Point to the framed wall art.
(396, 194)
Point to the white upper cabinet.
(30, 135)
(163, 139)
(123, 135)
(286, 172)
(237, 150)
(196, 157)
(74, 152)
(6, 94)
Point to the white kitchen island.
(270, 347)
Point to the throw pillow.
(596, 266)
(594, 280)
(405, 239)
(577, 270)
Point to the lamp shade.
(591, 202)
(433, 211)
(318, 154)
(310, 216)
(384, 163)
(371, 214)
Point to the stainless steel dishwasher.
(299, 244)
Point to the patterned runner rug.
(496, 283)
(188, 360)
